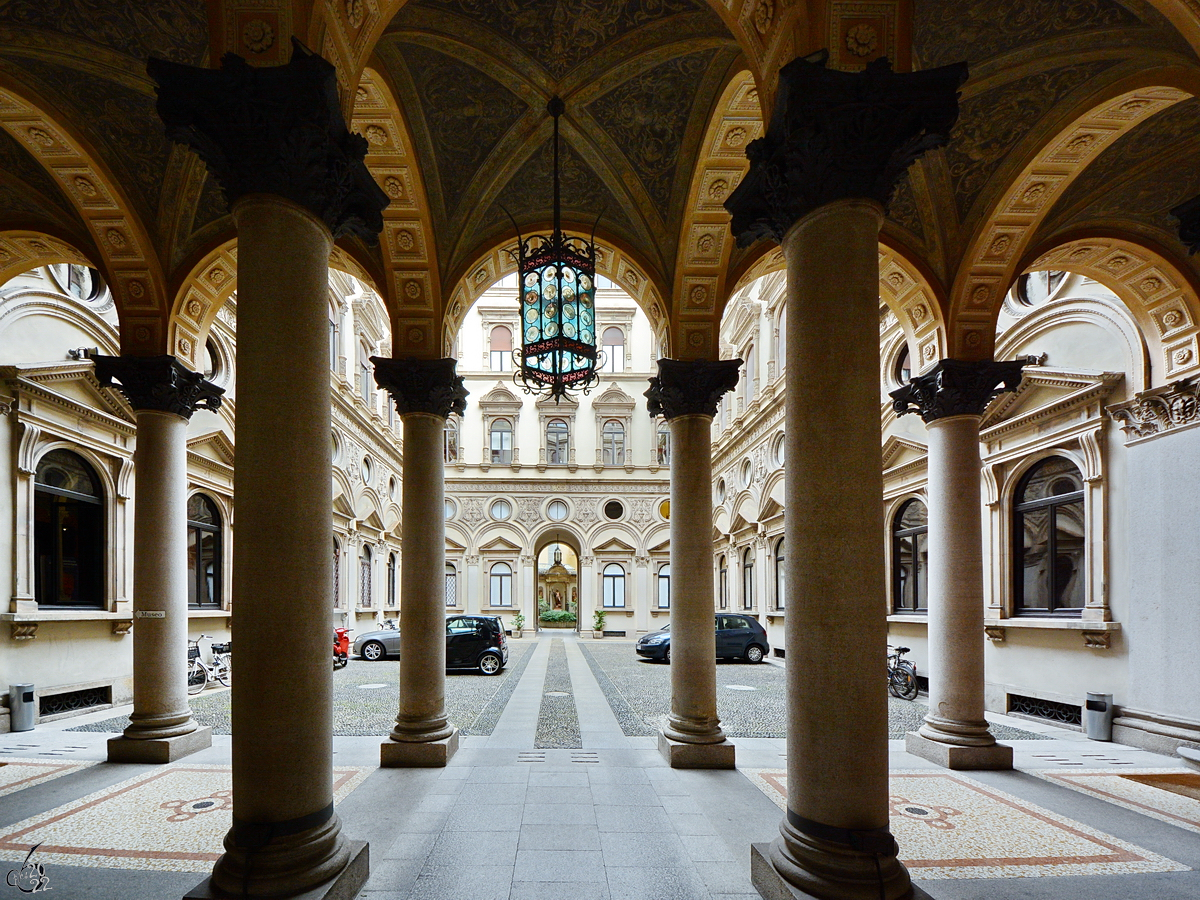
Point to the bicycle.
(200, 672)
(902, 674)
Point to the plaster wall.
(65, 655)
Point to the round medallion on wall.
(557, 511)
(614, 509)
(500, 510)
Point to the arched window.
(780, 580)
(337, 574)
(614, 586)
(748, 578)
(903, 368)
(450, 440)
(68, 532)
(613, 443)
(910, 558)
(500, 593)
(664, 587)
(204, 553)
(502, 442)
(1049, 531)
(663, 448)
(500, 356)
(391, 576)
(451, 585)
(364, 577)
(614, 350)
(557, 442)
(722, 583)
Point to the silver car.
(375, 645)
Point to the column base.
(418, 754)
(344, 886)
(682, 755)
(773, 886)
(953, 756)
(158, 750)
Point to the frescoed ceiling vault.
(1080, 117)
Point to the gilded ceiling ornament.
(356, 12)
(258, 36)
(1181, 356)
(896, 280)
(699, 295)
(115, 238)
(718, 188)
(40, 137)
(763, 14)
(705, 243)
(405, 240)
(360, 94)
(376, 134)
(981, 295)
(1000, 245)
(862, 39)
(1080, 143)
(1171, 318)
(735, 136)
(136, 289)
(217, 276)
(194, 309)
(85, 186)
(1033, 194)
(1150, 285)
(393, 187)
(412, 289)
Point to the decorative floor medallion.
(171, 819)
(950, 826)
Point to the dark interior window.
(1049, 533)
(68, 522)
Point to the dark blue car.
(738, 637)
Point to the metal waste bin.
(1098, 716)
(22, 707)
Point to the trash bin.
(1098, 716)
(22, 707)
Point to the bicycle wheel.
(225, 671)
(903, 684)
(197, 677)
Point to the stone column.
(951, 399)
(164, 395)
(818, 183)
(686, 394)
(275, 140)
(426, 392)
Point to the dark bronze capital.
(839, 136)
(159, 383)
(956, 387)
(422, 385)
(690, 387)
(1188, 214)
(274, 130)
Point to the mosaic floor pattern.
(1170, 795)
(192, 807)
(18, 774)
(949, 826)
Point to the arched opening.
(910, 558)
(68, 524)
(1050, 528)
(204, 553)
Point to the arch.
(210, 282)
(1054, 159)
(623, 266)
(1159, 295)
(128, 260)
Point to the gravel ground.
(750, 698)
(558, 722)
(366, 697)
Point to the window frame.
(1017, 549)
(451, 585)
(722, 582)
(780, 580)
(661, 582)
(748, 579)
(612, 443)
(503, 581)
(97, 511)
(558, 452)
(195, 576)
(495, 431)
(391, 580)
(500, 360)
(921, 573)
(366, 563)
(612, 577)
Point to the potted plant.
(518, 624)
(598, 618)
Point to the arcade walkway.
(559, 800)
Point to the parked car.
(738, 637)
(472, 642)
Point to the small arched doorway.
(558, 585)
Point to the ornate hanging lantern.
(558, 303)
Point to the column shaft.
(285, 837)
(693, 720)
(834, 840)
(423, 735)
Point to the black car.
(472, 642)
(738, 637)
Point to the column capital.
(690, 387)
(422, 385)
(274, 130)
(159, 383)
(956, 387)
(839, 136)
(1188, 214)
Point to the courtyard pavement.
(558, 792)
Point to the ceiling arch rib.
(126, 254)
(989, 264)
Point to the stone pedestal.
(164, 395)
(346, 885)
(951, 399)
(772, 886)
(275, 140)
(425, 393)
(818, 183)
(686, 394)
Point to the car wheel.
(489, 664)
(373, 650)
(667, 655)
(754, 654)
